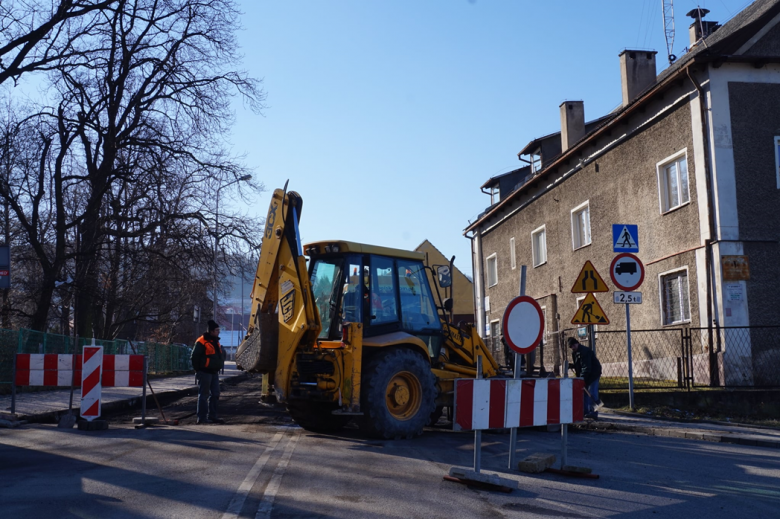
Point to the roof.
(360, 248)
(493, 180)
(445, 257)
(718, 46)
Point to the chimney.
(637, 72)
(699, 28)
(572, 123)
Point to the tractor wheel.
(399, 394)
(316, 416)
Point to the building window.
(492, 270)
(539, 246)
(673, 182)
(512, 259)
(777, 160)
(580, 226)
(675, 306)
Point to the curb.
(663, 432)
(164, 397)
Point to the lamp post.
(216, 237)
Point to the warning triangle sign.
(589, 281)
(590, 312)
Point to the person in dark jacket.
(587, 366)
(208, 358)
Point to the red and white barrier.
(506, 403)
(91, 388)
(52, 369)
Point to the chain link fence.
(669, 358)
(163, 358)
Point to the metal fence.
(163, 358)
(671, 358)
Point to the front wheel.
(399, 394)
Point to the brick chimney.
(637, 72)
(572, 123)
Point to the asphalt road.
(260, 465)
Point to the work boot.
(217, 420)
(594, 415)
(202, 422)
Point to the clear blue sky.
(387, 116)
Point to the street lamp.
(216, 237)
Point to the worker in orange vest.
(208, 357)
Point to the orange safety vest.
(210, 351)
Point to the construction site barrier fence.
(162, 358)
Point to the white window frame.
(777, 160)
(575, 229)
(493, 257)
(660, 168)
(661, 294)
(538, 230)
(512, 257)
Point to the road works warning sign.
(589, 281)
(590, 312)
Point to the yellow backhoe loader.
(356, 336)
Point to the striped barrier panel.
(52, 369)
(91, 389)
(506, 403)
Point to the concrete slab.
(536, 463)
(94, 425)
(482, 477)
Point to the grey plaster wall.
(755, 121)
(621, 187)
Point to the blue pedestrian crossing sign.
(625, 238)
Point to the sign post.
(523, 326)
(628, 273)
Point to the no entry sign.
(523, 324)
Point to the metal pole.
(13, 387)
(478, 433)
(143, 392)
(565, 427)
(516, 376)
(216, 252)
(630, 362)
(72, 382)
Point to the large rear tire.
(399, 394)
(316, 416)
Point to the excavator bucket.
(258, 352)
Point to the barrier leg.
(13, 387)
(143, 393)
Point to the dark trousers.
(208, 395)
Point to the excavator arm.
(283, 317)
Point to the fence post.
(714, 371)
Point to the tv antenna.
(668, 13)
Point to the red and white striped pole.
(91, 376)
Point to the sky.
(388, 116)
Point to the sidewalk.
(720, 432)
(43, 405)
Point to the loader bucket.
(257, 353)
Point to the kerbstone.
(482, 477)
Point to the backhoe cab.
(357, 336)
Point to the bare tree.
(40, 35)
(124, 162)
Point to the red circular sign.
(523, 324)
(627, 271)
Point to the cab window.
(352, 306)
(418, 312)
(382, 291)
